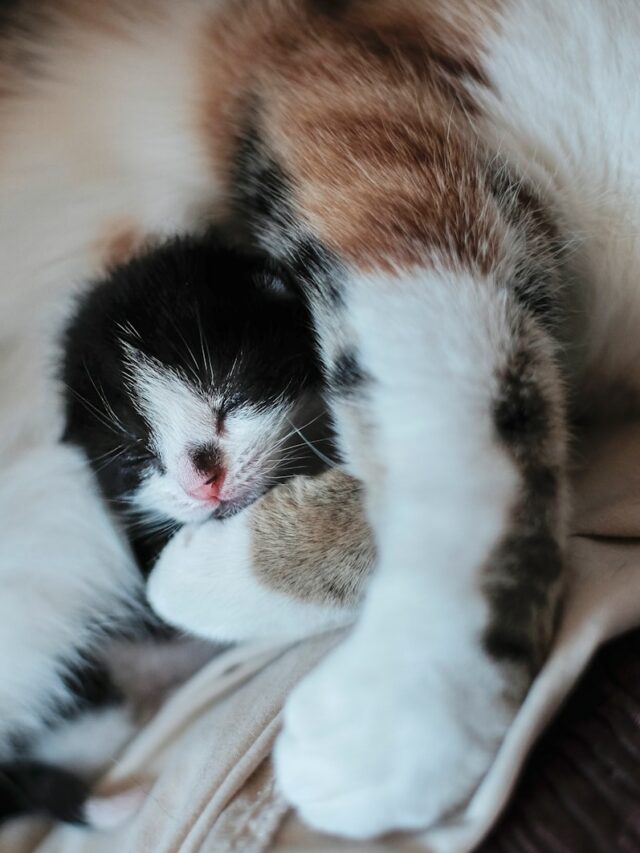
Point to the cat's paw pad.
(369, 747)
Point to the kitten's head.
(187, 373)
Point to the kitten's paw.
(376, 740)
(200, 574)
(205, 582)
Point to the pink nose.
(210, 491)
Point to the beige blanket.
(203, 761)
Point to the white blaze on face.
(183, 419)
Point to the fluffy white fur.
(110, 812)
(563, 105)
(86, 744)
(64, 579)
(104, 141)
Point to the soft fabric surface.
(203, 760)
(581, 789)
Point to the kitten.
(193, 387)
(191, 384)
(453, 181)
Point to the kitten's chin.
(195, 515)
(209, 511)
(184, 509)
(226, 509)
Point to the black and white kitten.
(189, 375)
(191, 384)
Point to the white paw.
(205, 583)
(376, 739)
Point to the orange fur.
(120, 241)
(365, 104)
(368, 112)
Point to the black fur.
(522, 412)
(262, 191)
(332, 8)
(29, 787)
(264, 216)
(524, 572)
(536, 282)
(319, 270)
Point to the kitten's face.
(208, 454)
(189, 373)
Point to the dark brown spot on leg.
(521, 412)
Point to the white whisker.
(314, 449)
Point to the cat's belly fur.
(564, 104)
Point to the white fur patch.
(65, 573)
(562, 105)
(88, 743)
(110, 812)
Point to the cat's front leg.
(292, 564)
(452, 408)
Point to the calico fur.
(456, 179)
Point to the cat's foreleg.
(450, 405)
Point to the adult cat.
(425, 167)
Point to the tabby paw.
(205, 582)
(376, 740)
